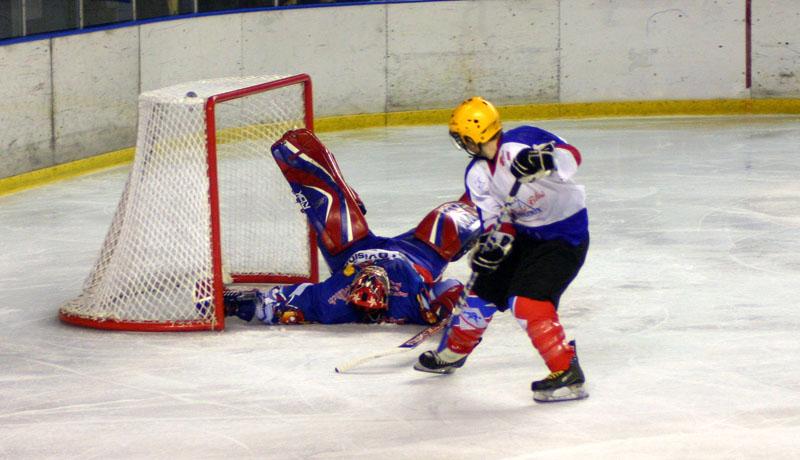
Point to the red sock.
(540, 321)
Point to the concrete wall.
(95, 86)
(652, 50)
(776, 49)
(26, 108)
(76, 96)
(440, 53)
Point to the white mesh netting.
(157, 258)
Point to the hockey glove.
(447, 301)
(533, 163)
(493, 247)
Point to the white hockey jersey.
(553, 207)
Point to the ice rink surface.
(686, 317)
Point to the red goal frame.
(216, 241)
(217, 321)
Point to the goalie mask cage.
(204, 200)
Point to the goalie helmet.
(369, 292)
(476, 121)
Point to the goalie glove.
(493, 247)
(534, 162)
(446, 297)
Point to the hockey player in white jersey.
(527, 262)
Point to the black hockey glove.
(493, 247)
(533, 163)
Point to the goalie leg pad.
(539, 319)
(450, 229)
(333, 209)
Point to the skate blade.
(568, 393)
(445, 370)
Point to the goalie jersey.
(326, 302)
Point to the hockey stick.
(409, 344)
(505, 213)
(424, 334)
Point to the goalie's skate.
(444, 362)
(268, 306)
(561, 385)
(241, 303)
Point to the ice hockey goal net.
(204, 201)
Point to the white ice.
(686, 317)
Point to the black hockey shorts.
(539, 270)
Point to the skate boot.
(242, 304)
(441, 362)
(561, 385)
(268, 306)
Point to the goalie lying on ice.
(374, 279)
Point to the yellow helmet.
(475, 120)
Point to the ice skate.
(241, 303)
(444, 362)
(561, 385)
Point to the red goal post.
(205, 204)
